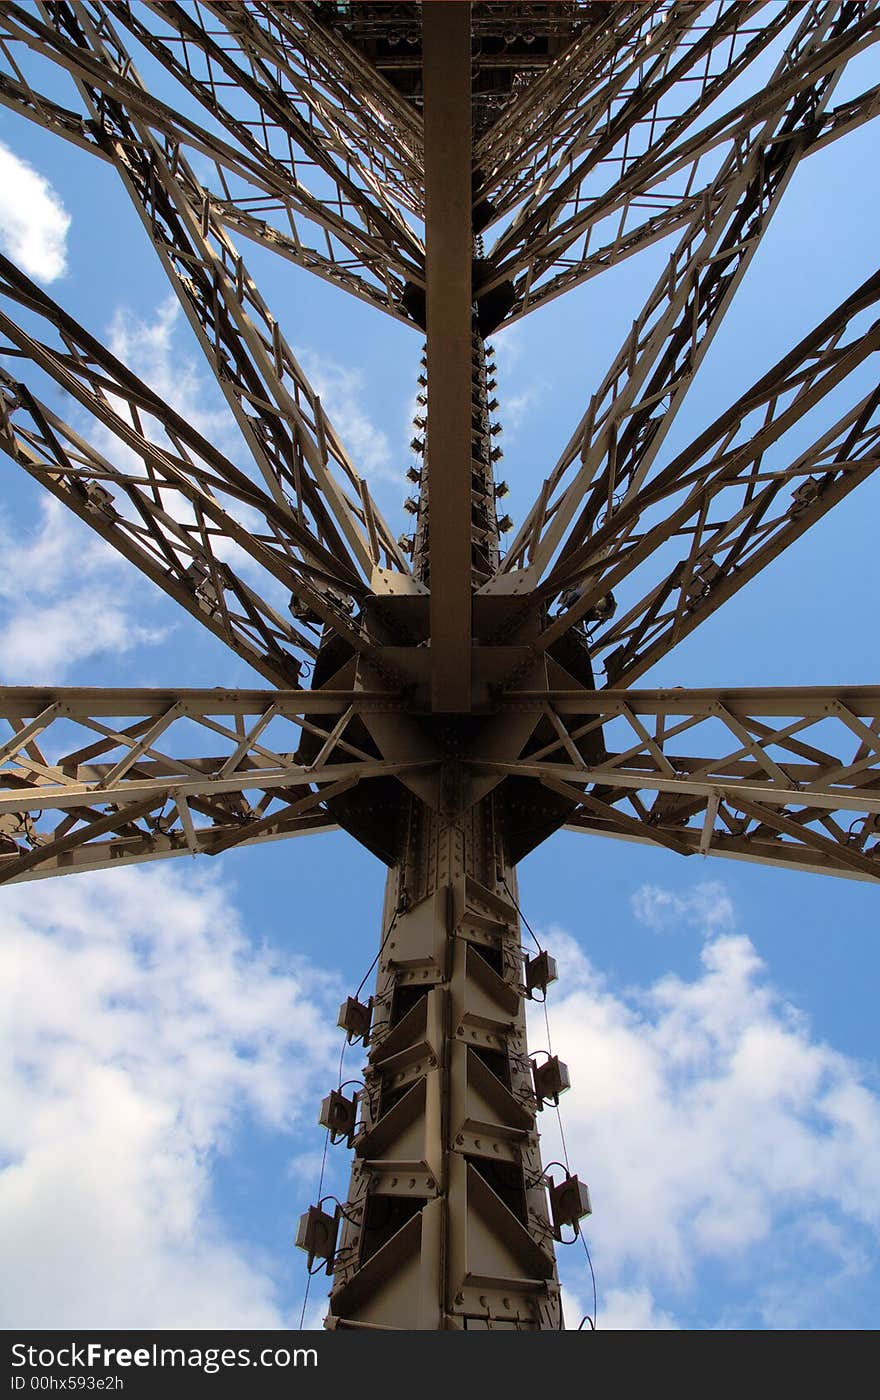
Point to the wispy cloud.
(152, 347)
(707, 907)
(65, 596)
(33, 221)
(342, 390)
(517, 400)
(517, 407)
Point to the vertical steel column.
(446, 46)
(447, 1222)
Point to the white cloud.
(516, 407)
(620, 1309)
(707, 907)
(634, 1310)
(341, 390)
(65, 596)
(153, 349)
(716, 1133)
(33, 221)
(509, 345)
(139, 1030)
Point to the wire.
(539, 1000)
(522, 915)
(320, 1184)
(388, 934)
(340, 1210)
(380, 952)
(538, 1179)
(592, 1320)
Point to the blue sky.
(169, 1031)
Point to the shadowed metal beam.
(447, 83)
(124, 792)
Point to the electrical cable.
(388, 934)
(320, 1184)
(521, 914)
(592, 1320)
(380, 952)
(344, 1213)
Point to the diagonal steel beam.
(644, 212)
(353, 122)
(735, 497)
(519, 148)
(660, 60)
(166, 498)
(256, 187)
(726, 554)
(280, 416)
(659, 137)
(20, 96)
(290, 110)
(627, 420)
(717, 493)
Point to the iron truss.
(454, 166)
(793, 779)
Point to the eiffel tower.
(448, 702)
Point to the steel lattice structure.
(455, 166)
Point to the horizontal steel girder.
(797, 768)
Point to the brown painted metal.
(447, 1222)
(453, 720)
(446, 43)
(626, 120)
(689, 770)
(633, 409)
